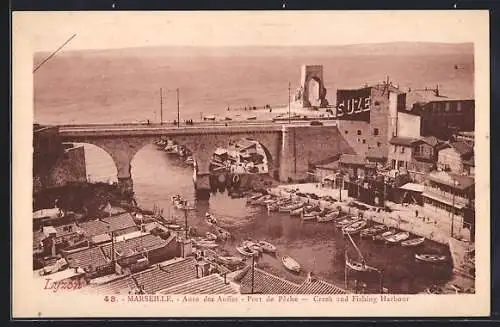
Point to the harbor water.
(318, 247)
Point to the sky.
(106, 30)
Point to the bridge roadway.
(195, 128)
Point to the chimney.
(205, 268)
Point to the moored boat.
(398, 237)
(210, 219)
(266, 246)
(245, 251)
(174, 227)
(371, 231)
(290, 263)
(347, 221)
(358, 266)
(296, 212)
(290, 207)
(382, 236)
(308, 216)
(210, 236)
(354, 228)
(253, 246)
(413, 242)
(328, 217)
(431, 258)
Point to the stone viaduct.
(292, 147)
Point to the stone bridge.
(292, 147)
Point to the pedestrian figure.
(416, 213)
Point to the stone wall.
(69, 168)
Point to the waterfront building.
(465, 137)
(456, 157)
(449, 194)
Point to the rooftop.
(168, 275)
(122, 285)
(463, 148)
(431, 140)
(461, 182)
(265, 283)
(89, 257)
(136, 245)
(401, 140)
(318, 286)
(108, 224)
(211, 284)
(352, 159)
(376, 153)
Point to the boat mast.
(357, 249)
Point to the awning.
(220, 151)
(413, 187)
(441, 199)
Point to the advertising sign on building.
(354, 104)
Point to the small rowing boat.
(431, 258)
(290, 207)
(245, 251)
(328, 217)
(358, 266)
(413, 242)
(354, 228)
(396, 238)
(267, 247)
(174, 227)
(371, 231)
(290, 264)
(206, 244)
(308, 216)
(347, 221)
(210, 236)
(210, 219)
(253, 245)
(296, 212)
(381, 237)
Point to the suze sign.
(354, 104)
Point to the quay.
(400, 218)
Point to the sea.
(124, 86)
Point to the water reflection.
(318, 247)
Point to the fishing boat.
(431, 258)
(230, 261)
(267, 247)
(174, 227)
(245, 251)
(354, 228)
(172, 149)
(358, 266)
(210, 236)
(382, 236)
(309, 216)
(371, 231)
(347, 221)
(290, 207)
(253, 246)
(296, 212)
(396, 238)
(189, 160)
(413, 242)
(328, 217)
(290, 264)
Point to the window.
(347, 132)
(377, 103)
(359, 132)
(359, 140)
(379, 144)
(393, 164)
(395, 148)
(402, 149)
(375, 131)
(459, 108)
(364, 141)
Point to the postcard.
(250, 164)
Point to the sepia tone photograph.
(172, 157)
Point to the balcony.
(446, 197)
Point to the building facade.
(457, 158)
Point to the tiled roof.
(135, 245)
(119, 286)
(352, 159)
(462, 182)
(108, 224)
(317, 286)
(401, 140)
(431, 140)
(121, 221)
(266, 283)
(211, 284)
(88, 257)
(166, 276)
(245, 143)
